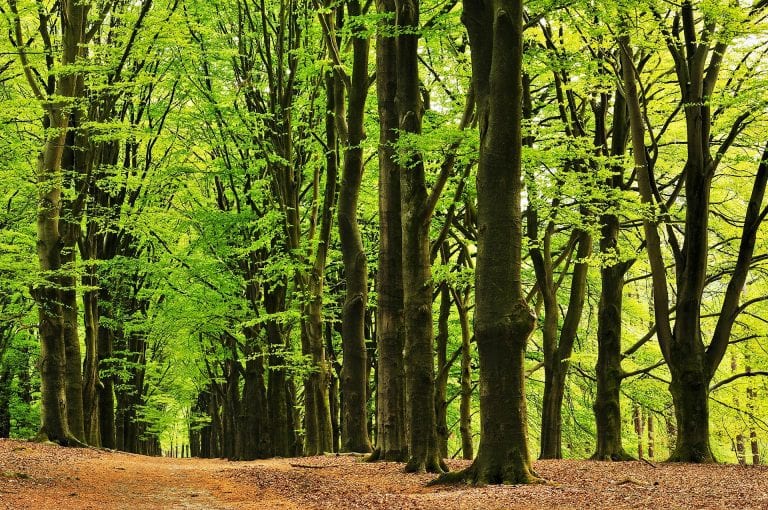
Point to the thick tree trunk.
(391, 435)
(608, 371)
(54, 425)
(254, 423)
(282, 437)
(503, 321)
(690, 396)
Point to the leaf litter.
(45, 476)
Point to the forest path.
(35, 476)
(39, 477)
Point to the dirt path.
(34, 476)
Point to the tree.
(390, 417)
(503, 320)
(697, 49)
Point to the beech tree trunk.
(503, 320)
(390, 389)
(281, 436)
(441, 383)
(697, 59)
(354, 372)
(254, 415)
(465, 406)
(417, 269)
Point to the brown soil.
(35, 476)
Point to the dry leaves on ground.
(35, 476)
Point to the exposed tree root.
(431, 464)
(692, 455)
(474, 475)
(69, 440)
(620, 456)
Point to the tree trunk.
(465, 407)
(551, 416)
(91, 381)
(354, 381)
(441, 383)
(690, 396)
(417, 269)
(608, 371)
(637, 418)
(55, 368)
(282, 438)
(5, 401)
(391, 435)
(503, 321)
(254, 426)
(106, 396)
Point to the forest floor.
(40, 476)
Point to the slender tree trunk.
(354, 381)
(417, 270)
(106, 396)
(5, 400)
(91, 381)
(441, 383)
(465, 407)
(74, 375)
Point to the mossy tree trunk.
(503, 320)
(390, 388)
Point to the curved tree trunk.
(354, 371)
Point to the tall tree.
(390, 417)
(354, 373)
(697, 44)
(57, 227)
(503, 320)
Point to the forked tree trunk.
(608, 371)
